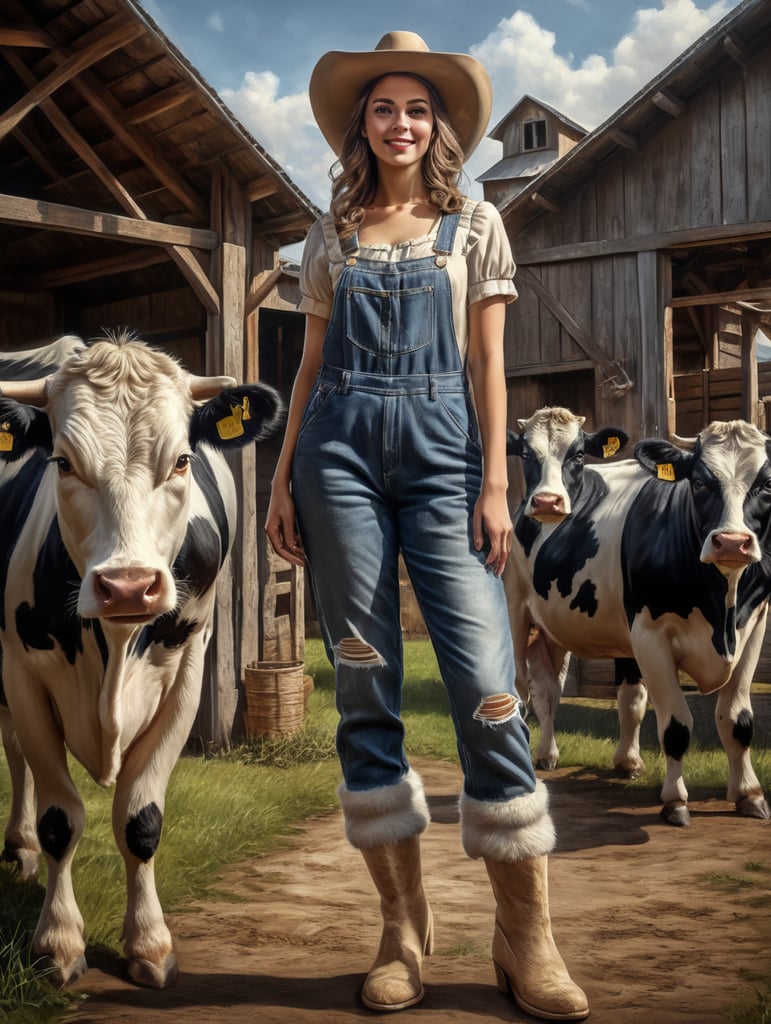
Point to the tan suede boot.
(394, 982)
(527, 961)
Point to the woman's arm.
(280, 524)
(488, 381)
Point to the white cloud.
(285, 127)
(521, 57)
(214, 21)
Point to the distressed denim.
(388, 459)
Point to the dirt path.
(646, 916)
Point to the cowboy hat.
(340, 77)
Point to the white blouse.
(479, 266)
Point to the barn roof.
(741, 34)
(108, 135)
(498, 131)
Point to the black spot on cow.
(573, 543)
(16, 497)
(54, 832)
(143, 832)
(585, 599)
(626, 670)
(170, 631)
(677, 738)
(204, 477)
(743, 729)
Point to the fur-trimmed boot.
(514, 838)
(385, 824)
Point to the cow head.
(727, 468)
(552, 445)
(121, 427)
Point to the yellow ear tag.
(665, 471)
(6, 438)
(232, 426)
(610, 449)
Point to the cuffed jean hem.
(386, 815)
(508, 830)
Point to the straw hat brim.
(340, 77)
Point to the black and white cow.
(665, 560)
(117, 510)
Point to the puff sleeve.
(490, 263)
(315, 277)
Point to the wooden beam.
(101, 41)
(750, 369)
(543, 200)
(24, 35)
(136, 259)
(614, 373)
(184, 259)
(36, 149)
(197, 278)
(722, 298)
(279, 225)
(623, 139)
(262, 286)
(111, 112)
(666, 100)
(686, 238)
(735, 50)
(159, 103)
(261, 188)
(33, 213)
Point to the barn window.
(534, 135)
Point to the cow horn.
(209, 387)
(689, 443)
(31, 392)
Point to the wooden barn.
(644, 253)
(131, 197)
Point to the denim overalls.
(388, 459)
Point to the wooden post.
(750, 369)
(235, 636)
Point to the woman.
(404, 284)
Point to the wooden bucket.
(275, 697)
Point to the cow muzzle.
(729, 551)
(128, 595)
(547, 507)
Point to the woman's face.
(398, 120)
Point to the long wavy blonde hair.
(354, 175)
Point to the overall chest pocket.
(389, 323)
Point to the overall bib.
(388, 459)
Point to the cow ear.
(663, 459)
(513, 443)
(237, 417)
(605, 443)
(22, 428)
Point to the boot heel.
(502, 979)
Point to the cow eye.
(182, 462)
(63, 465)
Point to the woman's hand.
(492, 519)
(281, 526)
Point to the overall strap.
(445, 236)
(337, 250)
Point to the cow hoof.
(546, 764)
(58, 976)
(27, 861)
(150, 975)
(753, 807)
(676, 813)
(624, 771)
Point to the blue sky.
(584, 57)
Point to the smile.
(399, 143)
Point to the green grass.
(233, 805)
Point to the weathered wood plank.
(15, 210)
